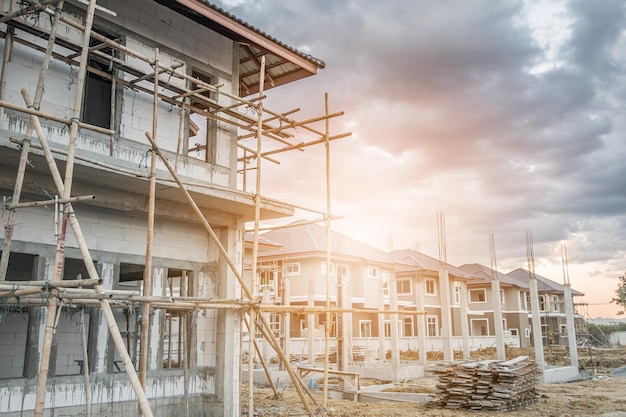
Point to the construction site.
(137, 276)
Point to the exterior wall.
(617, 338)
(116, 238)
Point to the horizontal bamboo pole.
(58, 284)
(21, 292)
(48, 202)
(54, 118)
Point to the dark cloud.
(451, 113)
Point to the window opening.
(201, 128)
(98, 89)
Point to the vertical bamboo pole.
(184, 351)
(244, 287)
(17, 191)
(255, 245)
(144, 349)
(328, 269)
(40, 397)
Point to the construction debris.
(487, 385)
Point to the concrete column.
(497, 319)
(228, 350)
(155, 339)
(393, 305)
(311, 324)
(347, 320)
(266, 351)
(571, 325)
(464, 319)
(287, 321)
(107, 275)
(536, 322)
(382, 352)
(446, 315)
(421, 321)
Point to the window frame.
(434, 285)
(400, 286)
(373, 272)
(482, 291)
(369, 328)
(430, 318)
(296, 272)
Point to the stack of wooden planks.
(487, 385)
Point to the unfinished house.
(513, 299)
(121, 138)
(552, 305)
(423, 316)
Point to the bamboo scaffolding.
(104, 304)
(100, 297)
(234, 270)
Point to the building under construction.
(127, 158)
(132, 137)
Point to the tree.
(620, 300)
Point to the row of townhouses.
(292, 272)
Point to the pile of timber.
(487, 385)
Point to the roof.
(486, 275)
(310, 238)
(283, 64)
(543, 284)
(425, 262)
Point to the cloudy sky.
(507, 116)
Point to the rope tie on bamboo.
(5, 205)
(145, 158)
(32, 106)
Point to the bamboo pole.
(147, 276)
(48, 202)
(235, 272)
(328, 248)
(68, 283)
(255, 244)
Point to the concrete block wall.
(106, 231)
(69, 343)
(13, 331)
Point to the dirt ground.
(601, 395)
